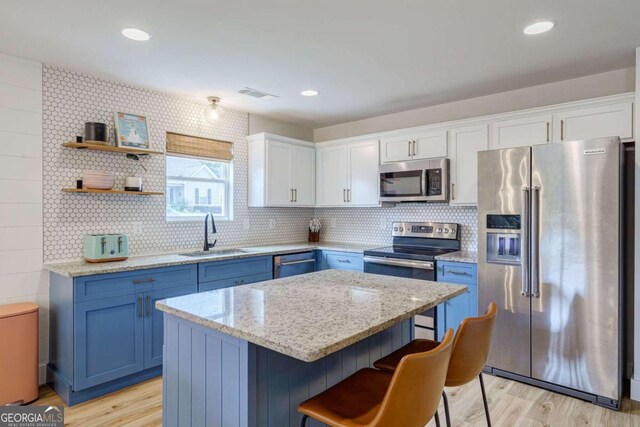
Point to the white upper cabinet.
(413, 146)
(464, 144)
(281, 171)
(347, 174)
(364, 158)
(332, 176)
(594, 122)
(521, 131)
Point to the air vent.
(256, 93)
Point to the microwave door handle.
(424, 182)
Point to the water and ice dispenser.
(504, 239)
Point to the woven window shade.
(200, 147)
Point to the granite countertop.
(83, 268)
(311, 315)
(460, 256)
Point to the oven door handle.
(422, 265)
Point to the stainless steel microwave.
(415, 181)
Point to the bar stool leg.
(484, 400)
(303, 423)
(446, 408)
(437, 419)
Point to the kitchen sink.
(214, 252)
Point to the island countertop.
(311, 315)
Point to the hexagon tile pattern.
(69, 100)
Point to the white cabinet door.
(304, 176)
(594, 122)
(464, 144)
(363, 173)
(521, 132)
(279, 176)
(430, 145)
(396, 148)
(332, 176)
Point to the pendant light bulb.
(213, 111)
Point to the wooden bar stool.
(376, 398)
(468, 357)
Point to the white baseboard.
(635, 389)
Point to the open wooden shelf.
(129, 193)
(110, 148)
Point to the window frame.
(228, 189)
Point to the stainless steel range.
(413, 255)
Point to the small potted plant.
(314, 230)
(134, 183)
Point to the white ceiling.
(366, 57)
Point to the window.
(200, 183)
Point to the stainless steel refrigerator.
(549, 249)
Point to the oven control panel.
(437, 230)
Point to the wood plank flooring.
(511, 404)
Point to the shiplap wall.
(21, 275)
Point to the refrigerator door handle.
(525, 242)
(535, 241)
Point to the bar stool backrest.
(471, 347)
(414, 393)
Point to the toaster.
(105, 247)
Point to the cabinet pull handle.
(414, 147)
(547, 131)
(348, 195)
(291, 195)
(561, 130)
(409, 144)
(344, 260)
(344, 195)
(140, 307)
(453, 191)
(147, 280)
(295, 195)
(148, 306)
(459, 273)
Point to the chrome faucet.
(208, 245)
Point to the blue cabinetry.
(105, 332)
(451, 313)
(339, 261)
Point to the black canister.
(95, 132)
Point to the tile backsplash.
(69, 100)
(373, 225)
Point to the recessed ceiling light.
(309, 92)
(538, 28)
(136, 34)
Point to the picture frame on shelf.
(132, 131)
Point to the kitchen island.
(246, 356)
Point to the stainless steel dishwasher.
(294, 264)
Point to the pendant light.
(213, 111)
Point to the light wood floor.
(510, 403)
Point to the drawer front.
(109, 285)
(457, 272)
(343, 261)
(234, 281)
(234, 268)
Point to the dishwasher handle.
(302, 261)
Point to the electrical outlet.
(138, 228)
(333, 222)
(272, 223)
(383, 223)
(246, 225)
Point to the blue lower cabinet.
(154, 323)
(108, 340)
(234, 281)
(340, 261)
(453, 312)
